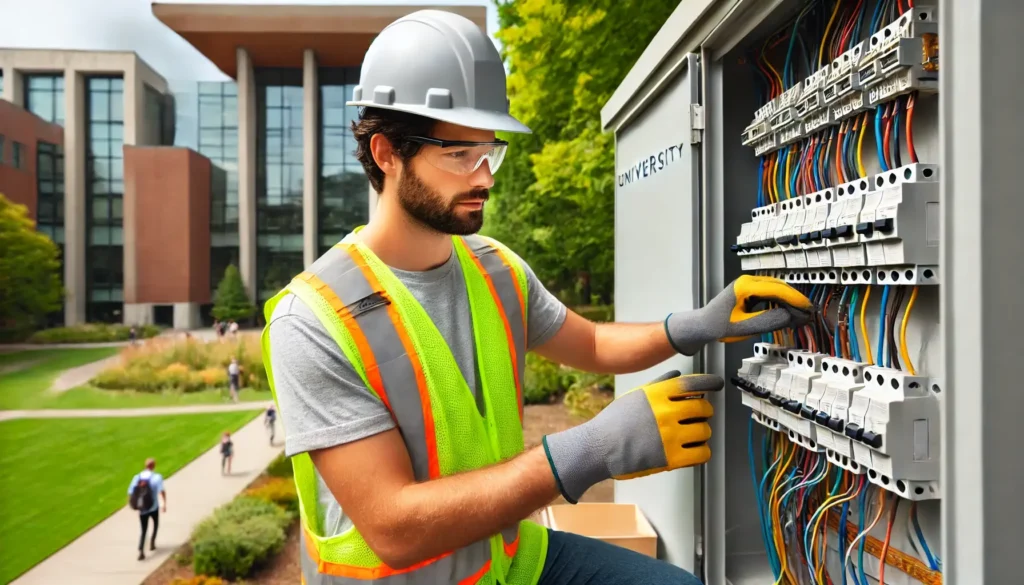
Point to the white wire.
(863, 534)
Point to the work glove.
(730, 317)
(657, 427)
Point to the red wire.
(910, 130)
(888, 537)
(888, 129)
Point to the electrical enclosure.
(737, 153)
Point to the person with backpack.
(143, 495)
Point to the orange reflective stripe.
(512, 547)
(421, 380)
(363, 573)
(365, 352)
(504, 320)
(475, 577)
(515, 281)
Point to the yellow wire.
(775, 177)
(829, 503)
(863, 324)
(789, 159)
(821, 49)
(860, 148)
(780, 542)
(903, 334)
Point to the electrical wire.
(881, 326)
(891, 316)
(878, 139)
(822, 512)
(852, 320)
(933, 561)
(863, 534)
(911, 151)
(864, 326)
(887, 136)
(888, 538)
(903, 333)
(897, 160)
(824, 37)
(860, 146)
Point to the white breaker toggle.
(828, 405)
(791, 393)
(840, 229)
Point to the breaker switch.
(776, 400)
(735, 248)
(854, 431)
(836, 424)
(829, 233)
(786, 240)
(884, 225)
(844, 231)
(804, 238)
(816, 236)
(821, 417)
(872, 439)
(807, 412)
(865, 228)
(760, 392)
(792, 406)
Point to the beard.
(428, 208)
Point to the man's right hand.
(657, 427)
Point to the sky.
(129, 25)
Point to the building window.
(342, 197)
(104, 263)
(218, 141)
(279, 140)
(18, 155)
(3, 156)
(153, 118)
(50, 204)
(44, 96)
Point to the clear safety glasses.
(461, 157)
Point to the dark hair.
(395, 126)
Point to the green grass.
(62, 477)
(24, 388)
(28, 388)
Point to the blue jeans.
(577, 560)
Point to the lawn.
(26, 376)
(62, 477)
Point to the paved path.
(129, 412)
(81, 375)
(12, 347)
(106, 555)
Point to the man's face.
(441, 200)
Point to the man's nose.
(482, 177)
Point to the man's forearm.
(438, 516)
(621, 348)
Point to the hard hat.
(439, 65)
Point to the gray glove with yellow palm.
(659, 426)
(730, 316)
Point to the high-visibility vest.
(404, 361)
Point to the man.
(144, 492)
(234, 378)
(270, 420)
(397, 358)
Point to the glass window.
(44, 96)
(18, 155)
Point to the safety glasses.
(461, 157)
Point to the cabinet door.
(657, 251)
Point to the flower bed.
(187, 365)
(92, 333)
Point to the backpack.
(142, 496)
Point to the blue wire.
(773, 554)
(932, 561)
(881, 327)
(878, 138)
(842, 301)
(896, 136)
(843, 538)
(753, 477)
(817, 175)
(875, 18)
(860, 21)
(854, 343)
(826, 173)
(796, 173)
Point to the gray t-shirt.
(323, 400)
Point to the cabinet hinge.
(696, 123)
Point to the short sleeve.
(545, 314)
(323, 401)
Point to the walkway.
(106, 555)
(82, 374)
(129, 412)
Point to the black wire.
(895, 307)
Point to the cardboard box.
(620, 524)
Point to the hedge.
(239, 538)
(92, 333)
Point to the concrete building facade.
(164, 189)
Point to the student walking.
(269, 419)
(144, 492)
(227, 453)
(234, 377)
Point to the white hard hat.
(439, 65)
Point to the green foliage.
(278, 490)
(240, 537)
(597, 313)
(93, 333)
(231, 301)
(555, 191)
(545, 380)
(281, 466)
(30, 283)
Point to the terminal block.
(787, 234)
(810, 276)
(902, 57)
(841, 227)
(843, 96)
(830, 399)
(816, 218)
(794, 385)
(786, 121)
(760, 129)
(811, 108)
(899, 432)
(900, 221)
(908, 275)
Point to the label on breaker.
(875, 253)
(851, 211)
(859, 409)
(816, 394)
(871, 202)
(878, 416)
(753, 402)
(824, 257)
(834, 213)
(890, 203)
(796, 259)
(795, 222)
(894, 252)
(841, 255)
(745, 231)
(862, 454)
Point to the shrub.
(239, 537)
(92, 333)
(597, 313)
(281, 466)
(544, 379)
(278, 490)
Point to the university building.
(152, 188)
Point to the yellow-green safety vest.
(404, 361)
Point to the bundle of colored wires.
(888, 538)
(914, 529)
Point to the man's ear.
(383, 154)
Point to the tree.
(554, 196)
(30, 283)
(231, 302)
